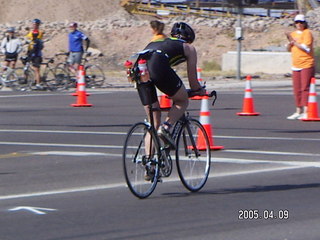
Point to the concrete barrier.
(258, 62)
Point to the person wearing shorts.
(35, 56)
(163, 55)
(34, 37)
(76, 48)
(11, 47)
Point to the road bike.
(52, 79)
(9, 77)
(145, 154)
(94, 77)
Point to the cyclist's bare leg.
(5, 65)
(73, 68)
(12, 64)
(37, 74)
(180, 104)
(157, 120)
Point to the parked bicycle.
(144, 153)
(94, 77)
(10, 78)
(51, 78)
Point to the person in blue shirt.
(76, 49)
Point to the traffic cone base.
(76, 94)
(205, 121)
(81, 90)
(201, 143)
(312, 114)
(248, 114)
(248, 104)
(81, 100)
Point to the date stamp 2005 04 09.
(255, 214)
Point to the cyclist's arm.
(19, 43)
(87, 40)
(191, 55)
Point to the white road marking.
(125, 133)
(62, 132)
(60, 145)
(213, 159)
(35, 210)
(122, 184)
(273, 153)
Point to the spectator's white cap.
(300, 17)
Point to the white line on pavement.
(214, 159)
(125, 133)
(116, 185)
(120, 147)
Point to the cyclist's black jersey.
(167, 53)
(172, 47)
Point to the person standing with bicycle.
(34, 37)
(11, 47)
(163, 55)
(76, 48)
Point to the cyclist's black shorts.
(36, 61)
(11, 57)
(162, 75)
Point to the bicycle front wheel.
(25, 78)
(13, 82)
(193, 155)
(140, 164)
(49, 79)
(61, 79)
(94, 76)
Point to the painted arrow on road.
(35, 210)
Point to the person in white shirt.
(11, 47)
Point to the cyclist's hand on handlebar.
(198, 92)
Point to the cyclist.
(76, 48)
(35, 56)
(163, 55)
(11, 47)
(35, 27)
(34, 38)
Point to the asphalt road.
(61, 173)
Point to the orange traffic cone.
(248, 105)
(312, 114)
(205, 121)
(200, 80)
(81, 90)
(165, 102)
(79, 75)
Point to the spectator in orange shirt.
(157, 30)
(303, 64)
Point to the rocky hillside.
(117, 34)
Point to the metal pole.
(239, 39)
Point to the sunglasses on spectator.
(299, 22)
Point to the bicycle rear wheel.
(193, 164)
(49, 79)
(13, 82)
(94, 76)
(26, 78)
(61, 79)
(138, 165)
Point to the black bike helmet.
(36, 21)
(183, 31)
